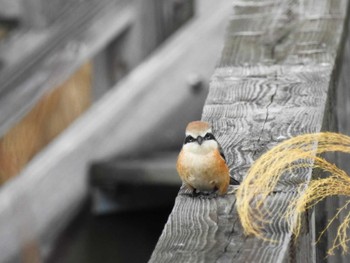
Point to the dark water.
(122, 237)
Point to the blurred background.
(95, 96)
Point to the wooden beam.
(39, 202)
(272, 83)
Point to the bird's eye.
(209, 136)
(188, 139)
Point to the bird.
(201, 163)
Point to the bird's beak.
(200, 140)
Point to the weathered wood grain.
(272, 83)
(36, 205)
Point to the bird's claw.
(195, 193)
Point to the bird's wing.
(221, 151)
(232, 180)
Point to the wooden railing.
(281, 66)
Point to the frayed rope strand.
(294, 157)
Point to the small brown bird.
(201, 163)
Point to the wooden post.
(272, 83)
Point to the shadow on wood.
(134, 183)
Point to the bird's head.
(199, 138)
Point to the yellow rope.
(286, 159)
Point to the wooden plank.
(272, 83)
(51, 188)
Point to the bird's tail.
(234, 181)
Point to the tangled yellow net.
(290, 158)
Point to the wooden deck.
(276, 79)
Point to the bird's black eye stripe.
(209, 136)
(188, 139)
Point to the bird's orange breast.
(203, 172)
